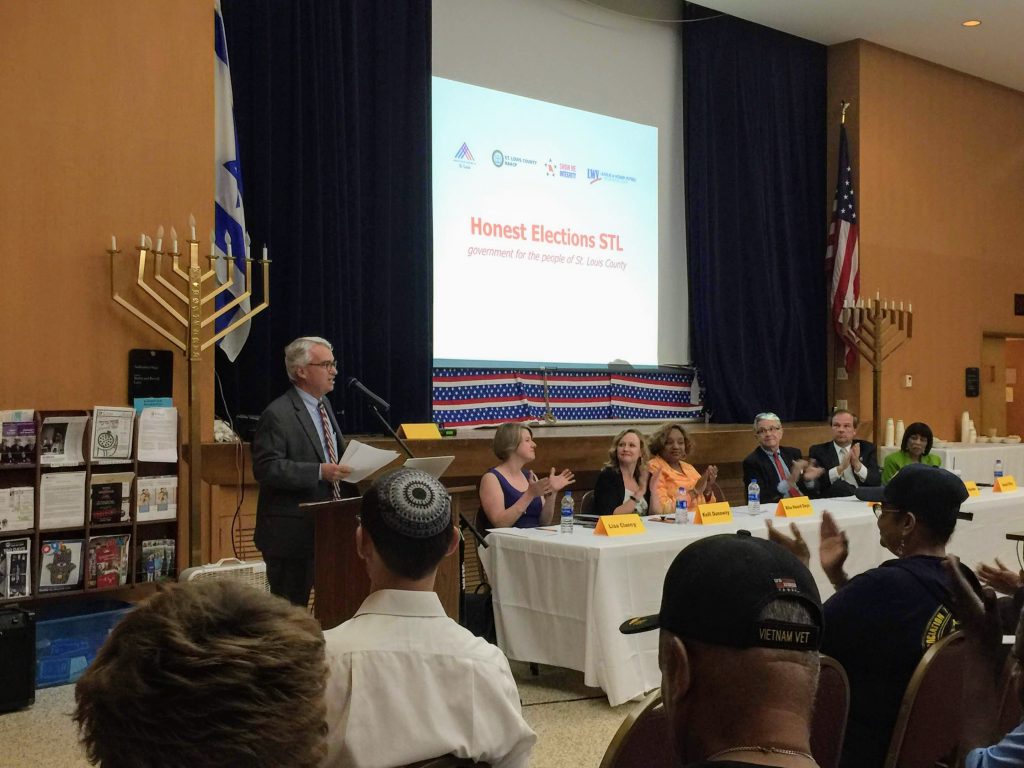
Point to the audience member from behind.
(212, 673)
(848, 463)
(740, 628)
(879, 624)
(983, 676)
(670, 445)
(406, 682)
(778, 469)
(625, 483)
(510, 496)
(915, 449)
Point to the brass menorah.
(876, 329)
(186, 308)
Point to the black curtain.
(756, 216)
(332, 112)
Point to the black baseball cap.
(716, 589)
(933, 493)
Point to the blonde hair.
(613, 452)
(507, 438)
(659, 438)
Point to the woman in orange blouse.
(670, 445)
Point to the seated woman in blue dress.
(511, 496)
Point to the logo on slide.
(594, 175)
(464, 155)
(497, 158)
(550, 167)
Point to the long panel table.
(977, 461)
(559, 599)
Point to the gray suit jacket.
(286, 459)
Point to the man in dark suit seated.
(295, 460)
(850, 464)
(779, 469)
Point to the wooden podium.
(339, 575)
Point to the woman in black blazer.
(623, 487)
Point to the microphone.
(378, 401)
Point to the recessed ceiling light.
(971, 23)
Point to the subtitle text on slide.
(571, 259)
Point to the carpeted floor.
(573, 723)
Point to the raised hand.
(978, 616)
(833, 549)
(559, 481)
(539, 486)
(999, 577)
(813, 471)
(794, 543)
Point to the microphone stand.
(391, 432)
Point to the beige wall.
(106, 128)
(939, 164)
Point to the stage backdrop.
(332, 110)
(756, 216)
(467, 397)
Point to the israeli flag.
(229, 217)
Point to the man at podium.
(295, 460)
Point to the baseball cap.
(716, 589)
(930, 492)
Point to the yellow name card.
(619, 525)
(1004, 484)
(420, 431)
(712, 514)
(972, 488)
(794, 506)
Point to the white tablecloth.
(977, 461)
(560, 599)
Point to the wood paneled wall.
(939, 164)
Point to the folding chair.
(642, 740)
(831, 706)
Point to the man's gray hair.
(297, 353)
(766, 416)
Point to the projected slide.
(545, 232)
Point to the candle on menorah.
(876, 330)
(184, 299)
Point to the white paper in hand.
(365, 460)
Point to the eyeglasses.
(326, 365)
(879, 508)
(766, 430)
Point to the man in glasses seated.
(778, 469)
(295, 460)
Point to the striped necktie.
(783, 474)
(332, 453)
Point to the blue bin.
(69, 637)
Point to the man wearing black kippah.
(407, 683)
(740, 629)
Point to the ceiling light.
(971, 23)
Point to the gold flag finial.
(845, 105)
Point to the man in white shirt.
(850, 464)
(407, 683)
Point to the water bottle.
(753, 497)
(999, 469)
(567, 505)
(682, 516)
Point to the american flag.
(465, 397)
(841, 258)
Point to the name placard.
(1004, 484)
(420, 431)
(972, 488)
(794, 506)
(712, 514)
(619, 525)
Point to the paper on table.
(158, 434)
(365, 460)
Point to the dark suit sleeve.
(607, 492)
(270, 463)
(869, 458)
(820, 454)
